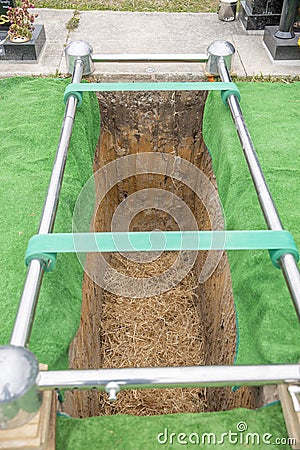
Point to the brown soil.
(192, 323)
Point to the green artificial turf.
(268, 330)
(31, 116)
(123, 432)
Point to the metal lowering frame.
(28, 382)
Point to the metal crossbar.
(150, 57)
(170, 377)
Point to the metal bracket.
(112, 389)
(82, 51)
(295, 394)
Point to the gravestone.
(4, 22)
(282, 41)
(256, 14)
(29, 51)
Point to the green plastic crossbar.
(46, 246)
(226, 88)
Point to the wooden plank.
(39, 432)
(51, 442)
(291, 417)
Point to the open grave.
(152, 309)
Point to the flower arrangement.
(21, 20)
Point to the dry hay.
(163, 330)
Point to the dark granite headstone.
(265, 6)
(256, 14)
(281, 49)
(282, 41)
(4, 5)
(28, 51)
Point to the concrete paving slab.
(122, 32)
(127, 32)
(256, 58)
(52, 54)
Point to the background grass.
(132, 5)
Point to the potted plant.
(21, 20)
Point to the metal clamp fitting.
(79, 50)
(112, 388)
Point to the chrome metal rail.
(287, 262)
(25, 315)
(170, 377)
(151, 57)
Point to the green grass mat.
(268, 327)
(265, 429)
(31, 115)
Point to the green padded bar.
(144, 241)
(226, 88)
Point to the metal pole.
(287, 262)
(25, 315)
(287, 19)
(169, 377)
(142, 58)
